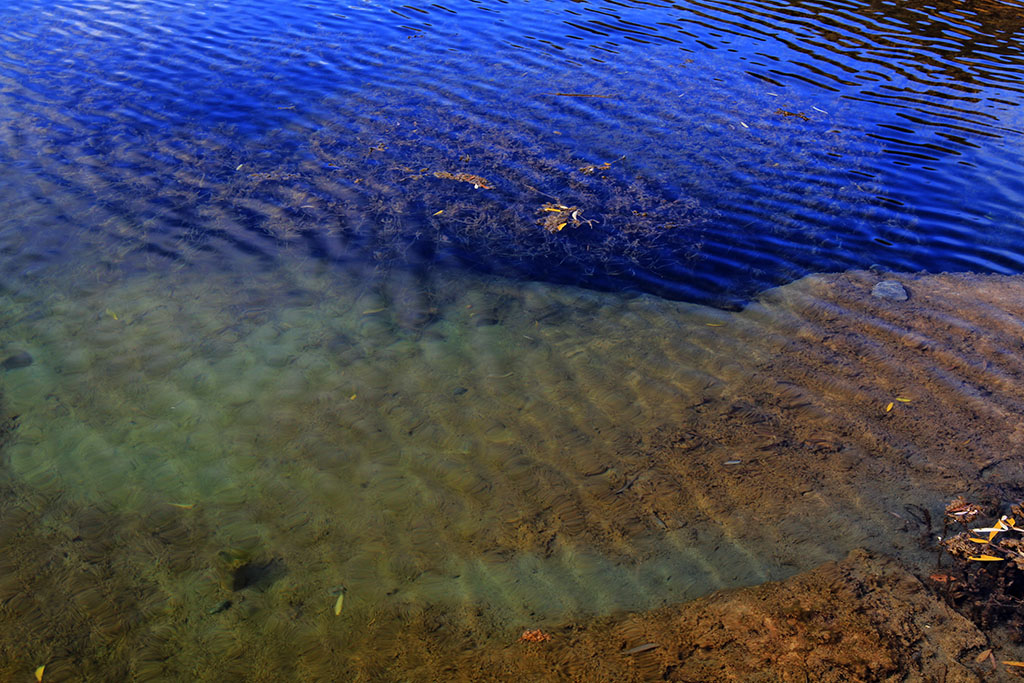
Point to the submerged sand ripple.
(467, 458)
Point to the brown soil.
(862, 619)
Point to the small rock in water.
(889, 289)
(21, 359)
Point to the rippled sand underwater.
(202, 464)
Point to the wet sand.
(191, 482)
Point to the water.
(742, 153)
(460, 311)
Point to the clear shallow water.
(275, 354)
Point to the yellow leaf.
(985, 558)
(560, 226)
(553, 210)
(39, 673)
(338, 603)
(902, 400)
(978, 540)
(438, 213)
(112, 314)
(715, 324)
(889, 407)
(183, 506)
(352, 397)
(1012, 663)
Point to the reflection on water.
(298, 378)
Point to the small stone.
(889, 289)
(21, 359)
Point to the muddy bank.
(864, 618)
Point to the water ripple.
(851, 133)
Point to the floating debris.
(555, 217)
(798, 114)
(476, 181)
(590, 169)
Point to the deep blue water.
(721, 148)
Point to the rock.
(890, 290)
(21, 359)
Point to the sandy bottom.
(300, 474)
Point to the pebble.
(21, 359)
(890, 290)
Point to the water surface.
(745, 144)
(437, 308)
